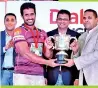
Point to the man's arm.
(86, 59)
(24, 50)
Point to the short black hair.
(27, 6)
(93, 11)
(10, 14)
(62, 11)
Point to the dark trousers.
(53, 76)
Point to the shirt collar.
(7, 33)
(90, 32)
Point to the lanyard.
(34, 37)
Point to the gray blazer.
(87, 62)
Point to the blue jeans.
(55, 77)
(64, 78)
(7, 77)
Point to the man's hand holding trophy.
(62, 44)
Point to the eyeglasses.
(60, 19)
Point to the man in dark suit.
(67, 75)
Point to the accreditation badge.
(37, 51)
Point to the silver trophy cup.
(61, 44)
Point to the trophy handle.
(71, 40)
(53, 41)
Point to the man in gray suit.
(85, 50)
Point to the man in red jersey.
(30, 46)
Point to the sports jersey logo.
(17, 31)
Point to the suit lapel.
(68, 31)
(91, 35)
(3, 42)
(56, 31)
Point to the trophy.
(61, 44)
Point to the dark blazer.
(3, 42)
(52, 73)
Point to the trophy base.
(61, 62)
(61, 55)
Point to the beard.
(28, 23)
